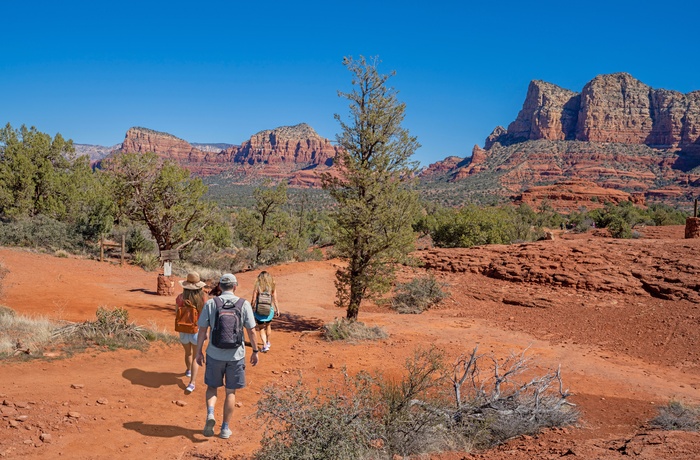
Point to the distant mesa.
(618, 133)
(610, 108)
(276, 153)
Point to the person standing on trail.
(188, 306)
(265, 306)
(225, 316)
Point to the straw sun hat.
(192, 281)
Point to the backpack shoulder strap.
(240, 302)
(218, 302)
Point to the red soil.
(621, 354)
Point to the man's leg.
(229, 405)
(211, 404)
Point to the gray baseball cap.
(228, 278)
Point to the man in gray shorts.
(224, 364)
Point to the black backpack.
(228, 324)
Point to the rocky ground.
(620, 317)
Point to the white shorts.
(186, 338)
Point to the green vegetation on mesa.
(485, 188)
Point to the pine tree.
(376, 203)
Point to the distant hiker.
(226, 316)
(188, 305)
(265, 306)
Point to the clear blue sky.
(222, 71)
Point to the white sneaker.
(209, 426)
(266, 348)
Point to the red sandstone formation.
(573, 194)
(275, 153)
(610, 108)
(142, 140)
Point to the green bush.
(40, 232)
(137, 241)
(146, 260)
(418, 295)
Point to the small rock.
(180, 403)
(239, 404)
(122, 400)
(14, 423)
(102, 401)
(7, 402)
(331, 366)
(275, 372)
(28, 441)
(73, 414)
(45, 437)
(22, 405)
(21, 418)
(77, 386)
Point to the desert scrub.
(22, 334)
(418, 295)
(475, 402)
(112, 330)
(352, 331)
(677, 416)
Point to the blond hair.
(264, 283)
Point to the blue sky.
(222, 71)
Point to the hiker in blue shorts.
(225, 316)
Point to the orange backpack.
(186, 318)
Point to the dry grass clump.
(352, 331)
(31, 337)
(434, 407)
(677, 416)
(111, 329)
(21, 334)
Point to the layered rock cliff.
(275, 153)
(617, 132)
(610, 108)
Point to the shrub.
(137, 241)
(418, 295)
(351, 330)
(432, 407)
(40, 232)
(677, 416)
(111, 329)
(21, 333)
(147, 260)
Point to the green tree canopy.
(163, 196)
(376, 204)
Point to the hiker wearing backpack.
(225, 316)
(187, 308)
(265, 306)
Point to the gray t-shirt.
(207, 318)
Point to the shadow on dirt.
(164, 431)
(153, 379)
(296, 323)
(145, 291)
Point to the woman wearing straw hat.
(192, 299)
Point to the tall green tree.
(163, 196)
(35, 173)
(376, 203)
(263, 227)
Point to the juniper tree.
(376, 203)
(163, 196)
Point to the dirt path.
(128, 404)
